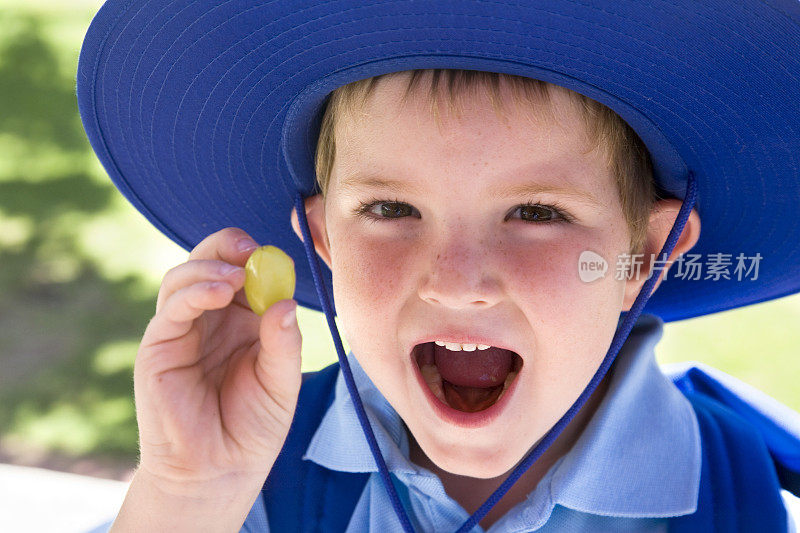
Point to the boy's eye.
(380, 209)
(539, 213)
(395, 209)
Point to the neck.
(472, 492)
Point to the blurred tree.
(59, 314)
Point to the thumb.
(278, 360)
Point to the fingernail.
(290, 318)
(229, 269)
(246, 244)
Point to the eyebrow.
(371, 181)
(532, 189)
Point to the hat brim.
(205, 114)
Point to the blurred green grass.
(81, 269)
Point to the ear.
(662, 217)
(315, 214)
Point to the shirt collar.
(639, 456)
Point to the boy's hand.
(216, 385)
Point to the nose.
(461, 275)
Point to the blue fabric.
(287, 488)
(636, 462)
(778, 425)
(205, 114)
(745, 493)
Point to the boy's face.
(461, 260)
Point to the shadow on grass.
(67, 334)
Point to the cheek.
(368, 273)
(545, 273)
(543, 278)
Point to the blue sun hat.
(206, 114)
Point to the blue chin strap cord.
(619, 339)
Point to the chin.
(475, 465)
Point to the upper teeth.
(457, 347)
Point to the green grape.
(269, 277)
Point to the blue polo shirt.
(636, 463)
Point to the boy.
(452, 232)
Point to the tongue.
(481, 368)
(470, 399)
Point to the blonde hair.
(625, 153)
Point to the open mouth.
(468, 381)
